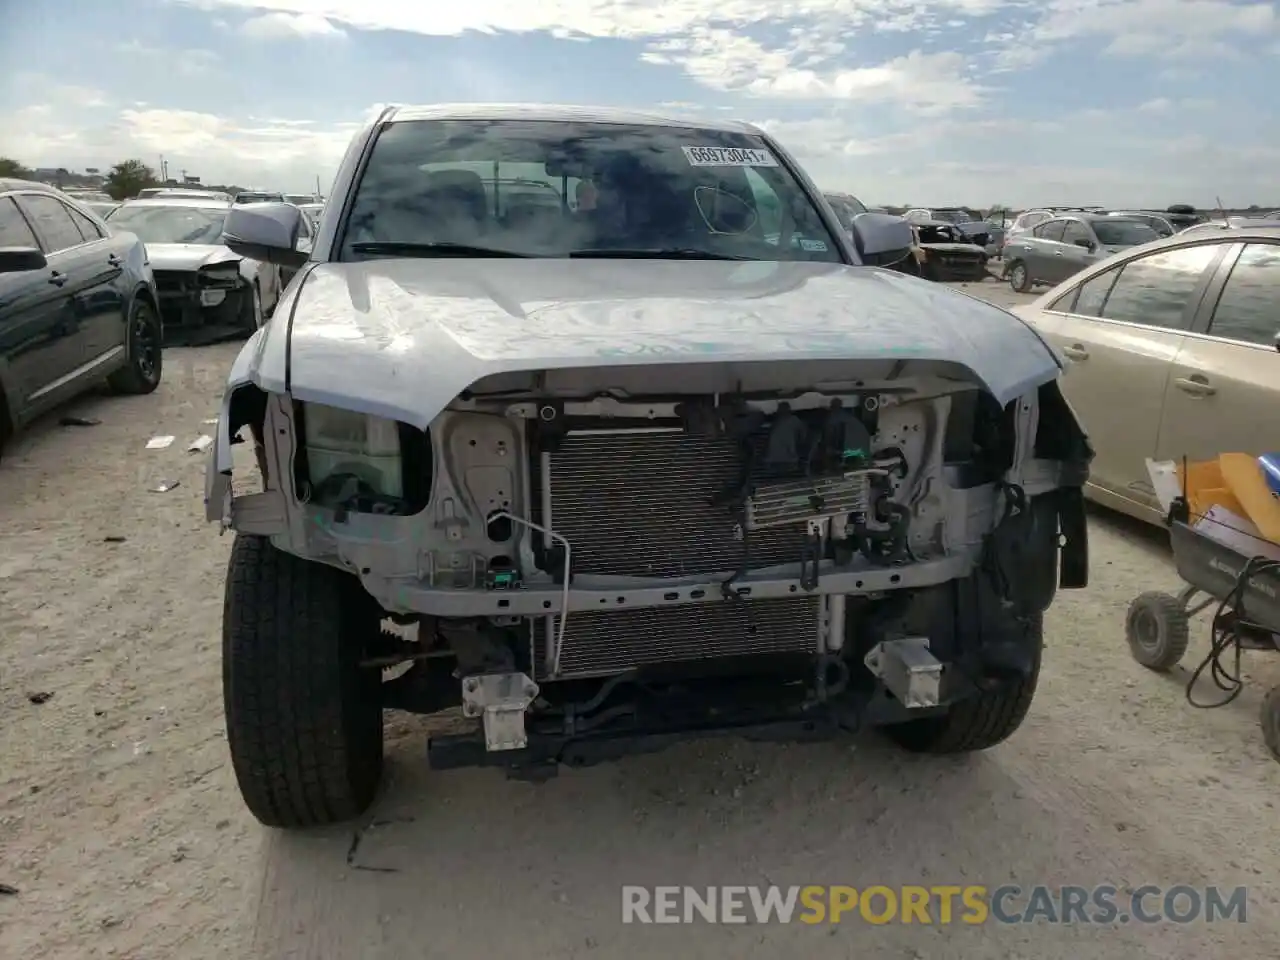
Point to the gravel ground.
(123, 835)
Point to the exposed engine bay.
(548, 548)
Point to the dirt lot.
(123, 834)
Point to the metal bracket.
(264, 514)
(908, 670)
(501, 700)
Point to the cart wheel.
(1271, 721)
(1157, 631)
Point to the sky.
(920, 102)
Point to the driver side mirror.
(1086, 243)
(881, 239)
(267, 232)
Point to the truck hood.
(402, 338)
(186, 256)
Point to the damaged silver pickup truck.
(637, 469)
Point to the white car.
(199, 280)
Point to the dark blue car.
(77, 305)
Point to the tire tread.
(304, 732)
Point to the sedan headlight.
(343, 443)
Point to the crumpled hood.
(403, 338)
(186, 256)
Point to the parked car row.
(88, 288)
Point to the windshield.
(1123, 233)
(557, 188)
(154, 224)
(1157, 224)
(953, 216)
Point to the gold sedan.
(1173, 351)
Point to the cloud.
(712, 41)
(290, 26)
(1162, 29)
(285, 153)
(188, 62)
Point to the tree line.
(122, 182)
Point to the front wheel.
(304, 720)
(1019, 278)
(982, 721)
(251, 315)
(145, 349)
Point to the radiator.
(643, 503)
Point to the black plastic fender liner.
(1073, 525)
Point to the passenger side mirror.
(21, 259)
(881, 239)
(267, 232)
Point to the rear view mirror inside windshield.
(558, 167)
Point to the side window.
(1075, 230)
(53, 221)
(768, 207)
(1050, 230)
(1249, 308)
(1087, 299)
(14, 231)
(88, 229)
(1155, 290)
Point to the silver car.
(669, 464)
(1057, 248)
(199, 280)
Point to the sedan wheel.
(1019, 280)
(145, 347)
(251, 317)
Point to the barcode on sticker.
(728, 157)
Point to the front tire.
(1019, 277)
(983, 720)
(145, 346)
(251, 315)
(304, 722)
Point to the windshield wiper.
(653, 253)
(431, 248)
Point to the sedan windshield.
(1123, 233)
(561, 189)
(154, 224)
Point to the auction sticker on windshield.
(729, 157)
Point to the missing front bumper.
(749, 709)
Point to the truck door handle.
(114, 260)
(1058, 253)
(1076, 352)
(1195, 385)
(57, 279)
